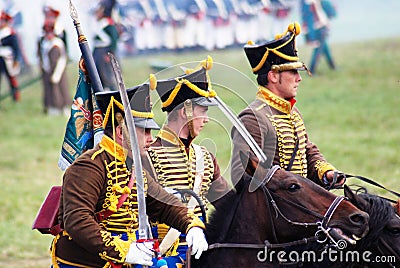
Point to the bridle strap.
(332, 208)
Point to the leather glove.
(197, 240)
(334, 175)
(140, 253)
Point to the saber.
(242, 130)
(86, 53)
(143, 230)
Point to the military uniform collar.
(282, 105)
(170, 136)
(113, 148)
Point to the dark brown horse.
(282, 208)
(379, 248)
(383, 238)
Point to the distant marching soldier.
(9, 54)
(105, 41)
(246, 24)
(178, 19)
(160, 24)
(218, 23)
(264, 21)
(144, 34)
(196, 23)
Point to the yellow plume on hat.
(292, 27)
(152, 82)
(207, 63)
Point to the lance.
(86, 53)
(143, 229)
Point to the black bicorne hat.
(276, 55)
(110, 103)
(194, 86)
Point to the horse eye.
(293, 187)
(395, 231)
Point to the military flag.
(85, 125)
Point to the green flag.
(85, 125)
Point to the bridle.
(322, 235)
(324, 232)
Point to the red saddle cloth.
(46, 218)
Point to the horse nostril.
(360, 218)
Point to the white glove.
(140, 253)
(197, 240)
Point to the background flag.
(85, 125)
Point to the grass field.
(352, 114)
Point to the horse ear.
(397, 207)
(355, 199)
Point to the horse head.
(273, 206)
(384, 224)
(305, 207)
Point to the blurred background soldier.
(51, 17)
(316, 15)
(280, 11)
(195, 23)
(218, 22)
(53, 55)
(105, 41)
(17, 24)
(178, 20)
(9, 54)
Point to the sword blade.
(143, 231)
(242, 130)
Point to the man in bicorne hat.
(273, 119)
(178, 162)
(95, 184)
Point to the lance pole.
(86, 53)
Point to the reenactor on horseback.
(178, 163)
(273, 119)
(99, 200)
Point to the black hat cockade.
(277, 55)
(110, 103)
(194, 85)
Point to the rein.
(373, 183)
(266, 244)
(364, 179)
(322, 225)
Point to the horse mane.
(221, 217)
(380, 211)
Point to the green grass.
(351, 114)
